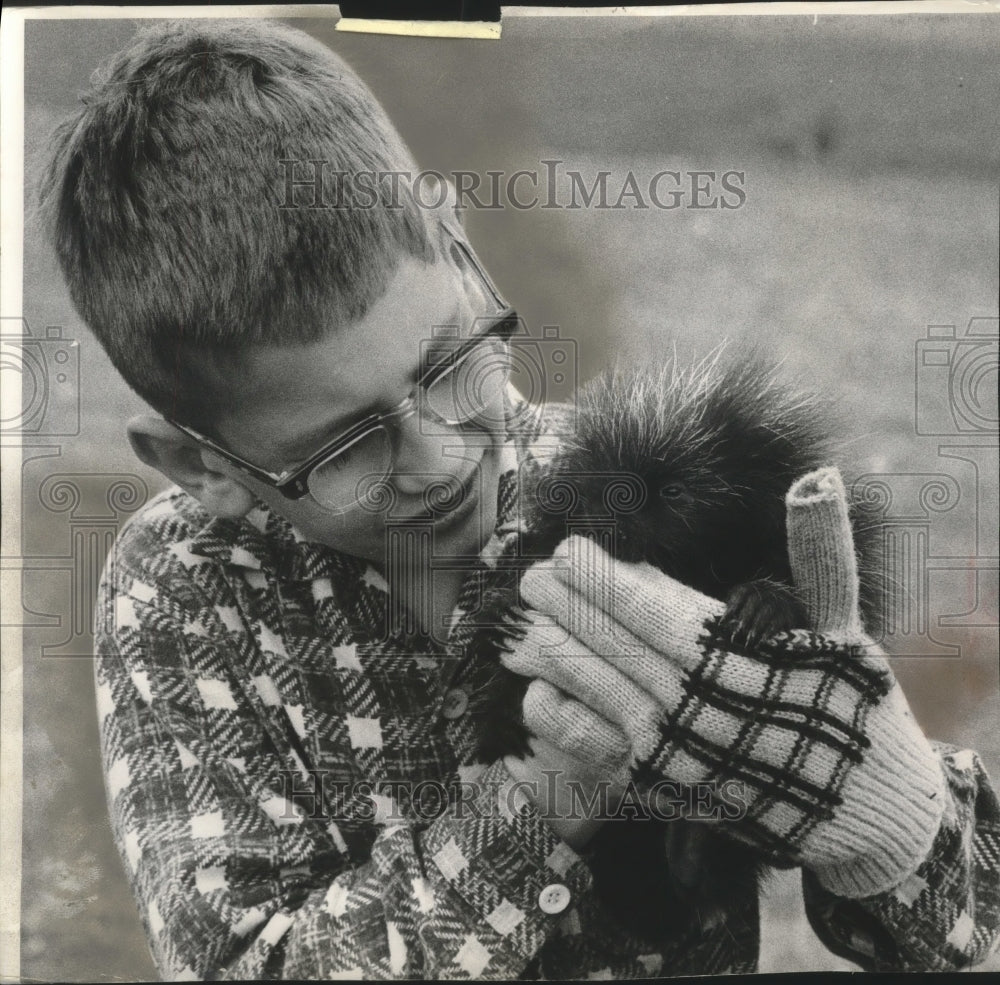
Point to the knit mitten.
(835, 773)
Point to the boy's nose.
(421, 454)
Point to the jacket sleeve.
(946, 914)
(231, 882)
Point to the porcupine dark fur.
(710, 451)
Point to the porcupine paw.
(502, 731)
(503, 735)
(758, 609)
(710, 871)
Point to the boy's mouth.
(466, 505)
(456, 502)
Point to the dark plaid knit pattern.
(815, 732)
(263, 744)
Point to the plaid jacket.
(292, 791)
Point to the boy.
(277, 694)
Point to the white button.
(554, 898)
(456, 703)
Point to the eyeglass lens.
(471, 388)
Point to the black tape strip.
(456, 10)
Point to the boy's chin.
(465, 530)
(467, 535)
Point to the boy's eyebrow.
(311, 441)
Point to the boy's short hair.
(164, 197)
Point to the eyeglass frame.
(293, 483)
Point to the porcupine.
(714, 449)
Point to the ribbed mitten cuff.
(891, 811)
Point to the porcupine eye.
(672, 491)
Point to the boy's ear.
(160, 445)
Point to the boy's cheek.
(359, 532)
(362, 532)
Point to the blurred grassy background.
(871, 149)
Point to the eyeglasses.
(460, 387)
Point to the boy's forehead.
(417, 300)
(294, 393)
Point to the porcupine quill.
(710, 450)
